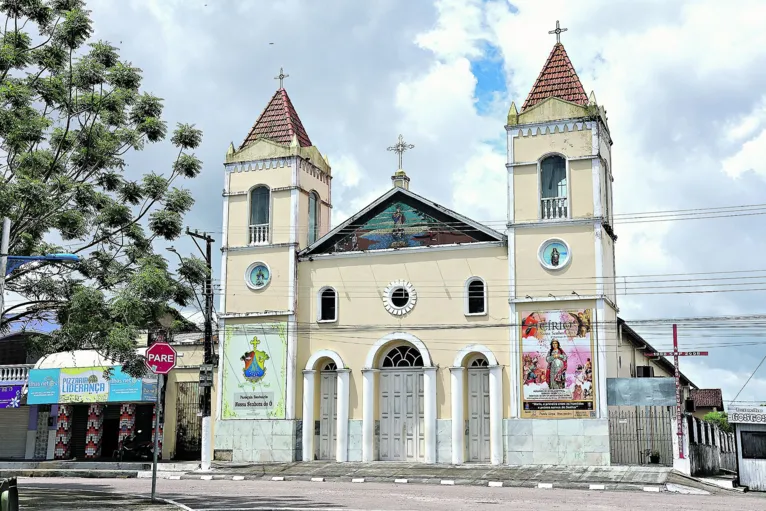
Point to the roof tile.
(278, 123)
(707, 398)
(557, 79)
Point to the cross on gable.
(399, 148)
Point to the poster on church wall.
(254, 371)
(557, 365)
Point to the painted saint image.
(552, 342)
(555, 256)
(557, 366)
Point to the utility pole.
(206, 370)
(4, 244)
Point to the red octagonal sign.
(160, 358)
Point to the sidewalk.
(642, 478)
(90, 469)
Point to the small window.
(313, 217)
(328, 305)
(259, 206)
(476, 297)
(753, 445)
(400, 297)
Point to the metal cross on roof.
(281, 77)
(399, 148)
(558, 31)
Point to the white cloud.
(707, 375)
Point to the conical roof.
(557, 79)
(278, 123)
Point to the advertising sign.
(10, 396)
(88, 385)
(557, 365)
(255, 371)
(747, 414)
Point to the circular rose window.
(554, 254)
(399, 297)
(257, 275)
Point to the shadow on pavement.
(72, 498)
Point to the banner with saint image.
(557, 364)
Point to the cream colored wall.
(581, 188)
(526, 193)
(572, 144)
(239, 215)
(552, 109)
(273, 178)
(438, 277)
(610, 284)
(534, 280)
(242, 299)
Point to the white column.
(368, 414)
(458, 415)
(429, 413)
(341, 429)
(308, 415)
(496, 414)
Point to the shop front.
(97, 407)
(14, 421)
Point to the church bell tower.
(561, 243)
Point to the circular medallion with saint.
(554, 254)
(257, 275)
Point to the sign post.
(675, 354)
(160, 359)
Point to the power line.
(750, 378)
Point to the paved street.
(253, 495)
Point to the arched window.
(553, 187)
(328, 305)
(476, 297)
(403, 356)
(480, 361)
(313, 217)
(260, 206)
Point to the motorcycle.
(134, 448)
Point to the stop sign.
(160, 358)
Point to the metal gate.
(188, 422)
(641, 436)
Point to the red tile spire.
(279, 122)
(557, 79)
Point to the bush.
(720, 419)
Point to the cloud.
(682, 88)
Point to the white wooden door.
(478, 415)
(328, 413)
(402, 432)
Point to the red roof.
(278, 123)
(707, 398)
(557, 79)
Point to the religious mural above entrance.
(557, 365)
(255, 371)
(401, 225)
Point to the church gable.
(402, 219)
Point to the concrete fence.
(710, 449)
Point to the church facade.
(411, 332)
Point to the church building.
(411, 332)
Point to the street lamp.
(9, 263)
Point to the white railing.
(259, 234)
(553, 208)
(16, 372)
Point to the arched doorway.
(325, 431)
(478, 410)
(477, 406)
(328, 411)
(402, 431)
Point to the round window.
(399, 298)
(257, 275)
(554, 254)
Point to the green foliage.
(720, 419)
(70, 109)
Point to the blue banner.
(88, 385)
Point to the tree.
(71, 111)
(720, 419)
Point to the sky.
(682, 83)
